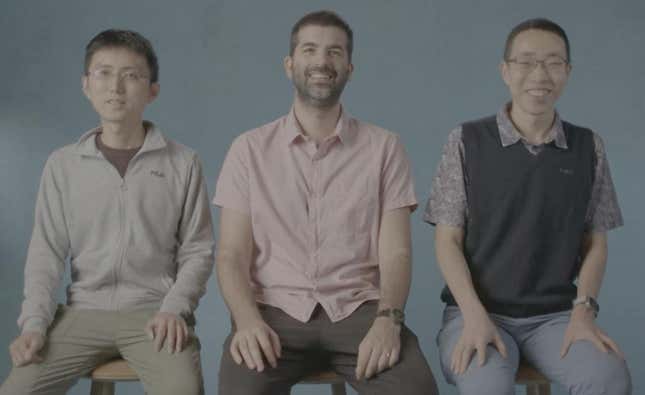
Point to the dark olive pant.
(322, 344)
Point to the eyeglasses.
(107, 74)
(553, 64)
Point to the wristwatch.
(587, 301)
(397, 315)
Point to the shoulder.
(374, 135)
(476, 125)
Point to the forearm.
(43, 272)
(396, 273)
(453, 266)
(395, 258)
(235, 286)
(196, 242)
(594, 260)
(190, 282)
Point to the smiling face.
(319, 66)
(534, 91)
(118, 85)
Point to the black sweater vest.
(526, 216)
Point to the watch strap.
(397, 315)
(587, 301)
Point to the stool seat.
(324, 377)
(119, 370)
(115, 370)
(535, 382)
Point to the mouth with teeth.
(115, 102)
(320, 75)
(538, 92)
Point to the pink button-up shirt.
(315, 210)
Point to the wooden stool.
(535, 382)
(104, 377)
(327, 377)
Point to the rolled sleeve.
(195, 253)
(447, 203)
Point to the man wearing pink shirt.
(314, 254)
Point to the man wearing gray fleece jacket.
(129, 208)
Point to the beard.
(320, 95)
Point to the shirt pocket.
(351, 206)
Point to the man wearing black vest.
(522, 202)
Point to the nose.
(322, 58)
(540, 72)
(116, 84)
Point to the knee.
(610, 377)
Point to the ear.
(85, 86)
(505, 72)
(154, 92)
(350, 70)
(287, 63)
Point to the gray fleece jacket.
(138, 242)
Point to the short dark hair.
(114, 38)
(537, 24)
(322, 18)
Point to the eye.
(130, 76)
(103, 73)
(336, 52)
(554, 62)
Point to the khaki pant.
(79, 340)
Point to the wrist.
(392, 314)
(35, 325)
(585, 305)
(582, 313)
(247, 318)
(475, 313)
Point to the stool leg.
(102, 388)
(538, 389)
(338, 389)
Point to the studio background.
(421, 67)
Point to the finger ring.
(387, 354)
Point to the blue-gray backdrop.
(421, 68)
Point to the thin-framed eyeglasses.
(108, 74)
(553, 64)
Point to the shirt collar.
(154, 140)
(509, 135)
(293, 130)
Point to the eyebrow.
(103, 65)
(313, 44)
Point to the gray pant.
(322, 344)
(79, 340)
(585, 370)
